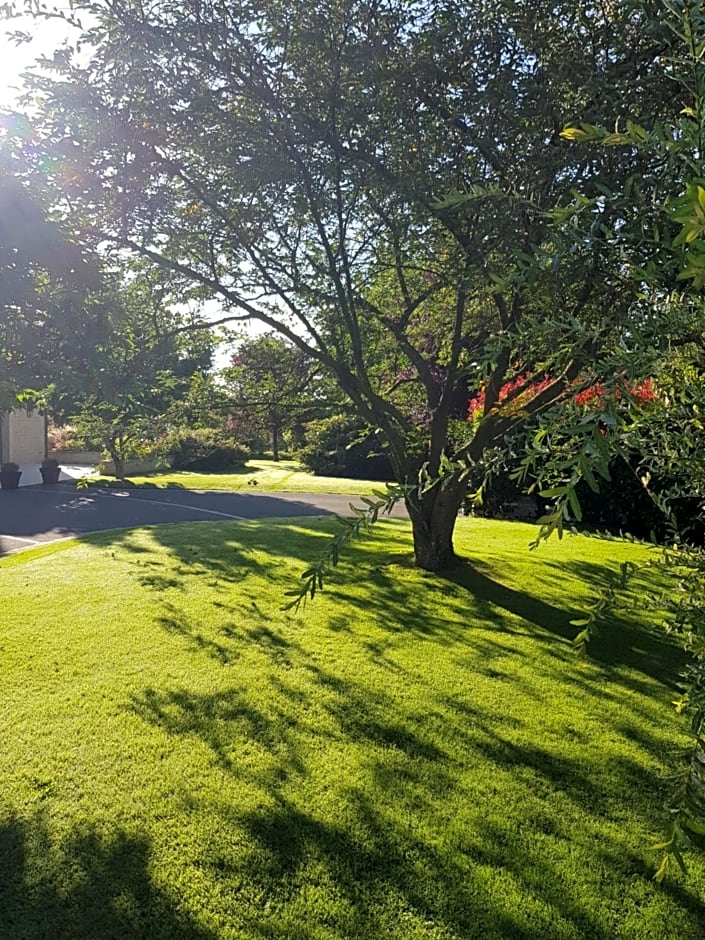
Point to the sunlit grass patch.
(413, 756)
(268, 476)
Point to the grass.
(284, 476)
(413, 757)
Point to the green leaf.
(612, 140)
(553, 492)
(575, 504)
(588, 475)
(573, 133)
(662, 869)
(637, 132)
(695, 825)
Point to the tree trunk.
(275, 443)
(118, 462)
(433, 517)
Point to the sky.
(14, 59)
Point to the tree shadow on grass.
(372, 856)
(385, 866)
(222, 721)
(174, 621)
(91, 885)
(617, 643)
(222, 551)
(371, 859)
(228, 557)
(620, 641)
(493, 596)
(366, 865)
(497, 844)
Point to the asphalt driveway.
(36, 514)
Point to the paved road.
(36, 514)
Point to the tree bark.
(275, 443)
(118, 462)
(433, 517)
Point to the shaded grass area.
(413, 757)
(284, 476)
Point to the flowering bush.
(520, 390)
(510, 390)
(642, 393)
(622, 503)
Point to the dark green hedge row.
(206, 449)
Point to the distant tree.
(45, 281)
(206, 404)
(130, 390)
(272, 383)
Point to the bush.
(63, 437)
(502, 498)
(622, 505)
(206, 449)
(338, 447)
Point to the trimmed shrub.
(206, 449)
(338, 447)
(621, 506)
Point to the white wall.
(25, 437)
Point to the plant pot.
(50, 474)
(10, 479)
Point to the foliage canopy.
(377, 181)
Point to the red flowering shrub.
(642, 393)
(622, 503)
(476, 405)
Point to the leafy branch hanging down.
(351, 528)
(662, 240)
(680, 610)
(563, 453)
(685, 615)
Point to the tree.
(88, 341)
(206, 405)
(374, 180)
(44, 281)
(272, 383)
(127, 393)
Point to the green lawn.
(412, 757)
(285, 476)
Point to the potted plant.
(10, 475)
(50, 470)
